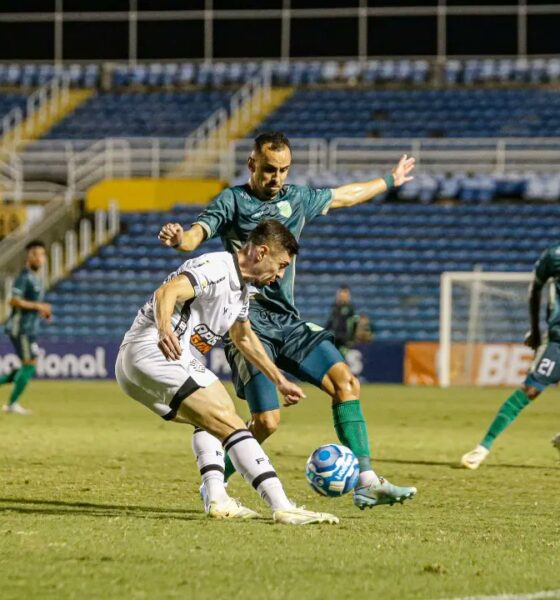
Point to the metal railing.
(11, 177)
(285, 17)
(207, 149)
(60, 223)
(41, 105)
(50, 167)
(496, 156)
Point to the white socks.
(254, 465)
(210, 460)
(368, 478)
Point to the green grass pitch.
(99, 499)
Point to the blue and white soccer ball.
(332, 470)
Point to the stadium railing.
(18, 125)
(48, 167)
(81, 237)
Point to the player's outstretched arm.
(356, 193)
(533, 336)
(252, 349)
(178, 289)
(173, 235)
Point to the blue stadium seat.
(391, 255)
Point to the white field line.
(531, 596)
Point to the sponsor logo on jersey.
(285, 209)
(204, 339)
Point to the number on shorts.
(546, 366)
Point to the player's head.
(343, 295)
(270, 248)
(36, 254)
(269, 164)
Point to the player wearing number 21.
(545, 369)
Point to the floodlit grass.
(99, 499)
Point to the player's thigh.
(308, 352)
(211, 409)
(26, 348)
(250, 383)
(545, 369)
(144, 374)
(262, 396)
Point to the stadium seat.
(391, 255)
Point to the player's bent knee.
(531, 391)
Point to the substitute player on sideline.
(197, 304)
(303, 349)
(23, 323)
(545, 369)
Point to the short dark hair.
(276, 139)
(35, 244)
(273, 232)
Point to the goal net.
(483, 320)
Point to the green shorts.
(25, 346)
(545, 369)
(298, 347)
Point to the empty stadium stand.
(348, 72)
(153, 114)
(11, 100)
(390, 255)
(35, 75)
(443, 113)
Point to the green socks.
(21, 379)
(507, 414)
(9, 378)
(229, 469)
(351, 429)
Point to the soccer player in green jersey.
(22, 325)
(300, 348)
(545, 369)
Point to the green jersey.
(28, 286)
(548, 267)
(235, 212)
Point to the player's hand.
(533, 339)
(401, 173)
(169, 345)
(171, 235)
(292, 393)
(45, 310)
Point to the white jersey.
(221, 298)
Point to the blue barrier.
(375, 363)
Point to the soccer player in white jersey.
(158, 365)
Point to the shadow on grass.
(457, 465)
(59, 507)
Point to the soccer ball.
(332, 470)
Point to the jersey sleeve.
(543, 268)
(218, 214)
(205, 275)
(19, 288)
(243, 315)
(316, 201)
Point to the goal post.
(478, 309)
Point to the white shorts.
(143, 373)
